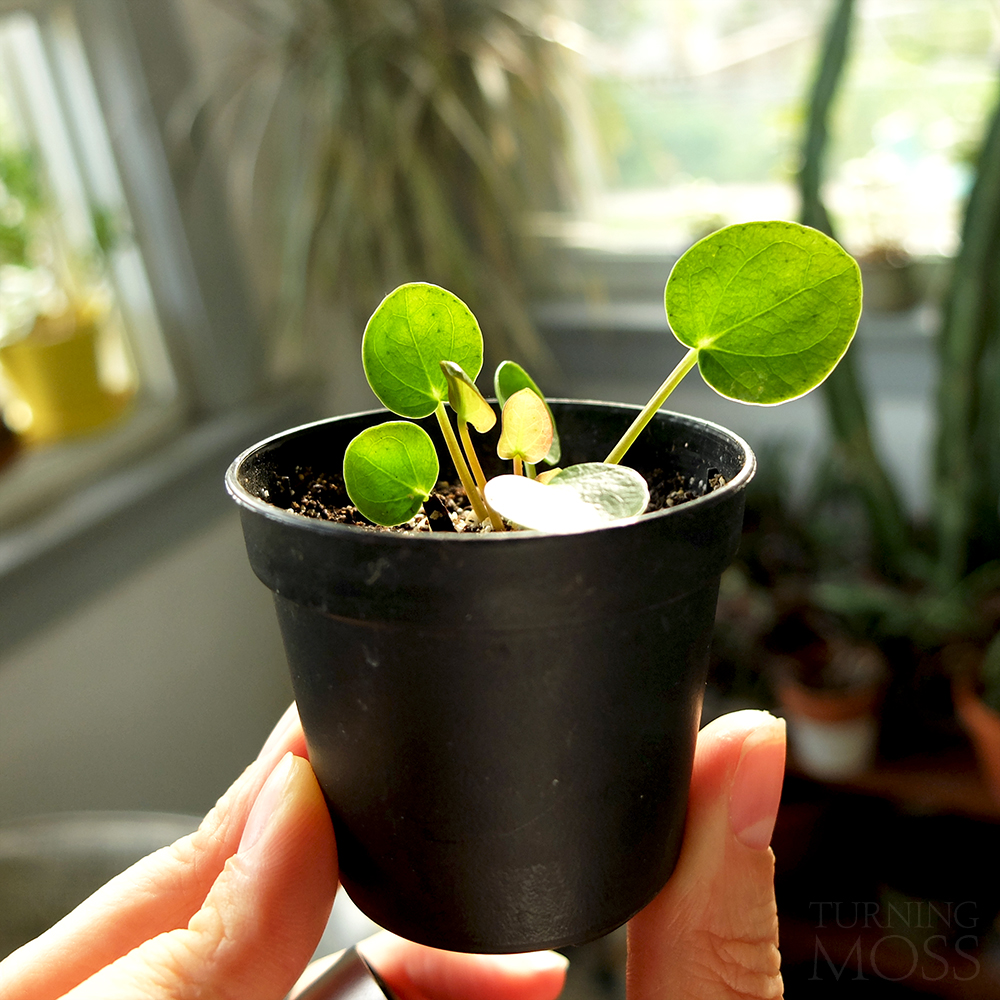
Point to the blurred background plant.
(64, 368)
(20, 203)
(852, 556)
(395, 140)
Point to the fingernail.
(756, 789)
(280, 732)
(267, 801)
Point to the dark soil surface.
(322, 495)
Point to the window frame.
(95, 536)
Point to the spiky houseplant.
(924, 590)
(403, 139)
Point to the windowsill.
(95, 536)
(608, 269)
(603, 285)
(39, 478)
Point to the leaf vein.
(765, 312)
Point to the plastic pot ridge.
(503, 725)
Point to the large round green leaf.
(770, 307)
(390, 470)
(413, 330)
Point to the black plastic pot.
(503, 725)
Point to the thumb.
(712, 932)
(262, 918)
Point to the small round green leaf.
(511, 377)
(390, 470)
(579, 497)
(527, 427)
(466, 399)
(413, 330)
(771, 307)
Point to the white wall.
(154, 696)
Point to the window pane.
(700, 109)
(80, 346)
(697, 110)
(919, 85)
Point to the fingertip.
(755, 794)
(276, 893)
(289, 826)
(716, 919)
(414, 971)
(286, 736)
(737, 726)
(720, 744)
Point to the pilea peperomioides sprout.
(527, 431)
(509, 378)
(766, 310)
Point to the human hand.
(236, 909)
(712, 932)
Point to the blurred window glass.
(699, 111)
(85, 375)
(133, 361)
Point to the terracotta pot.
(982, 723)
(503, 724)
(833, 733)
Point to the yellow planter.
(56, 379)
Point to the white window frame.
(136, 507)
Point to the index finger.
(159, 893)
(414, 971)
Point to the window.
(134, 367)
(83, 361)
(699, 112)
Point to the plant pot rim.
(247, 500)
